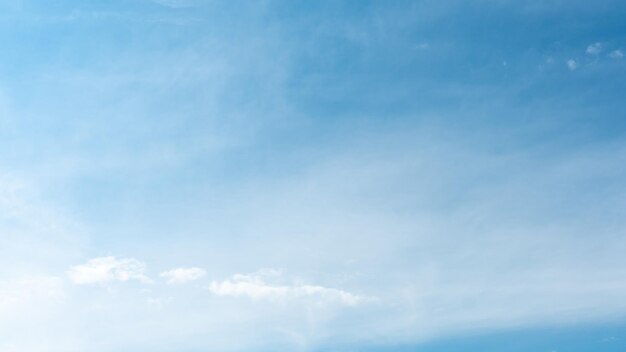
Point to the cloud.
(616, 54)
(571, 64)
(182, 275)
(254, 286)
(453, 217)
(106, 269)
(594, 49)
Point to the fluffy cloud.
(105, 269)
(616, 54)
(571, 64)
(182, 275)
(594, 49)
(255, 287)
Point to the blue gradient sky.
(199, 175)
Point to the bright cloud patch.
(255, 287)
(571, 64)
(106, 269)
(182, 275)
(616, 54)
(594, 49)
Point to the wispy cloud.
(361, 146)
(594, 49)
(571, 64)
(107, 269)
(616, 54)
(255, 286)
(182, 275)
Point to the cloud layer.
(416, 169)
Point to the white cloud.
(616, 54)
(571, 64)
(105, 269)
(182, 275)
(594, 49)
(255, 287)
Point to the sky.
(204, 175)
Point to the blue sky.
(199, 175)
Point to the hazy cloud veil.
(186, 175)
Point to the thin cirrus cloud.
(182, 275)
(392, 177)
(108, 269)
(256, 287)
